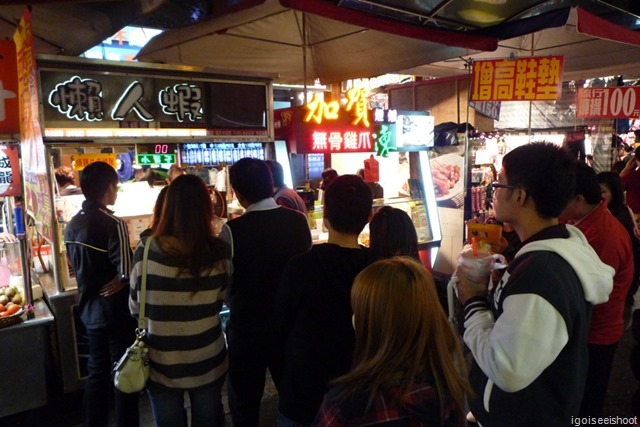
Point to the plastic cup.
(476, 268)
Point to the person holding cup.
(528, 337)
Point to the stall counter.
(24, 357)
(70, 357)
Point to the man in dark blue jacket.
(98, 247)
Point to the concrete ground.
(65, 411)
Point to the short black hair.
(347, 204)
(96, 178)
(637, 152)
(546, 172)
(328, 175)
(277, 173)
(587, 184)
(252, 179)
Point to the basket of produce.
(10, 306)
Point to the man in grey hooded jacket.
(529, 338)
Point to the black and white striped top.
(186, 345)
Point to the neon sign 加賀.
(319, 111)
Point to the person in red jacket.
(612, 243)
(630, 176)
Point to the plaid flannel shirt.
(419, 408)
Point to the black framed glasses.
(496, 184)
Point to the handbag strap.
(142, 321)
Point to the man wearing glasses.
(528, 336)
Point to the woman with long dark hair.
(188, 272)
(408, 365)
(613, 195)
(392, 233)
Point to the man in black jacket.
(262, 241)
(98, 247)
(314, 303)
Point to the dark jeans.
(251, 352)
(107, 345)
(168, 405)
(284, 421)
(595, 390)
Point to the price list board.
(212, 154)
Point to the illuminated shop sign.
(155, 159)
(81, 161)
(183, 101)
(341, 141)
(132, 100)
(385, 116)
(525, 79)
(377, 82)
(320, 111)
(212, 154)
(78, 99)
(82, 99)
(414, 129)
(95, 101)
(387, 130)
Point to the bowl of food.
(10, 314)
(447, 176)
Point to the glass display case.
(420, 203)
(427, 227)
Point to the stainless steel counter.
(69, 356)
(25, 350)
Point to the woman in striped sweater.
(187, 275)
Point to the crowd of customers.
(355, 335)
(610, 240)
(262, 242)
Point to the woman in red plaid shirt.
(408, 367)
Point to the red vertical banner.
(9, 113)
(37, 190)
(537, 78)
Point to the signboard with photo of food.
(447, 176)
